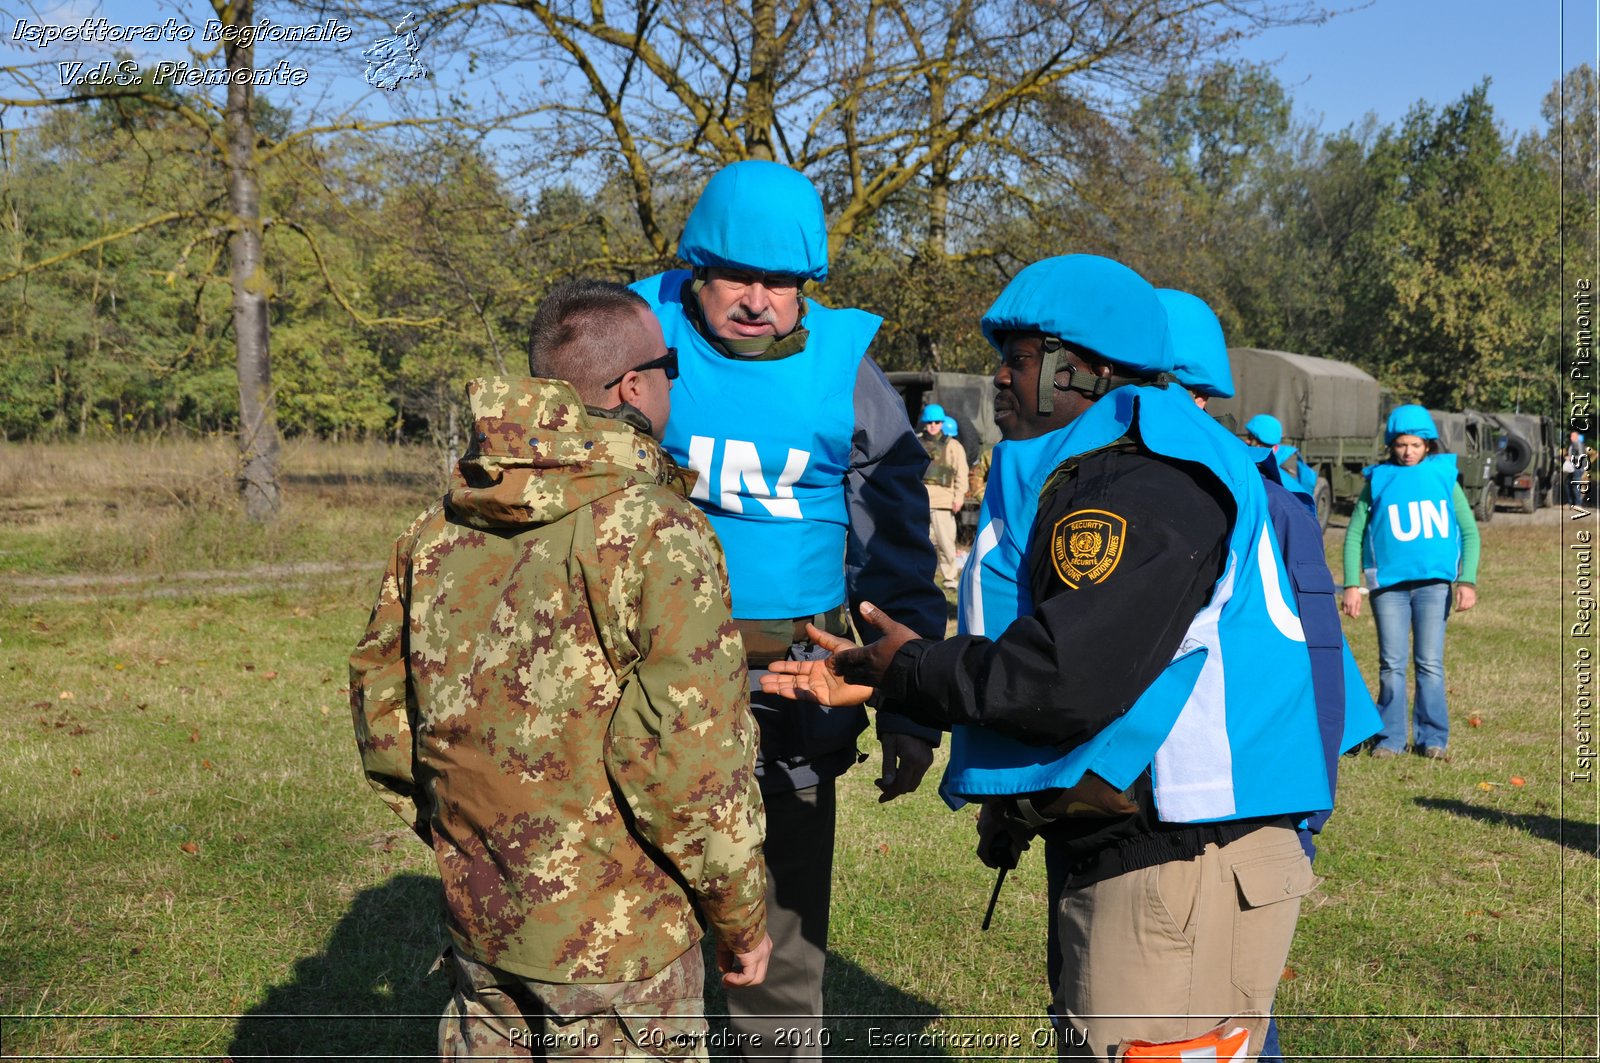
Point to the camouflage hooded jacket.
(553, 639)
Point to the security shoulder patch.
(1086, 545)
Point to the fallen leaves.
(1517, 780)
(192, 848)
(1474, 720)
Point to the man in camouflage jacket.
(550, 641)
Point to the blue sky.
(1381, 57)
(1390, 53)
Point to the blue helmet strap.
(1082, 381)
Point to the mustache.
(746, 317)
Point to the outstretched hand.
(850, 674)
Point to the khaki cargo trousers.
(1169, 952)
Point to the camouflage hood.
(538, 455)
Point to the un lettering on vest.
(1423, 519)
(742, 476)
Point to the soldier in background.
(552, 640)
(978, 474)
(1575, 469)
(946, 482)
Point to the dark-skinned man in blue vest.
(1130, 681)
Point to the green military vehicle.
(1527, 460)
(1470, 436)
(1331, 411)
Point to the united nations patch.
(1086, 546)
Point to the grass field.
(194, 868)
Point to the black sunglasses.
(667, 362)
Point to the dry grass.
(165, 506)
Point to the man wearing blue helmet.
(946, 482)
(1265, 430)
(1130, 679)
(811, 474)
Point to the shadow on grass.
(367, 993)
(864, 1011)
(1573, 834)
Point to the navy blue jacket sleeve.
(889, 559)
(1315, 596)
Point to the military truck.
(969, 398)
(1331, 411)
(1527, 463)
(1470, 436)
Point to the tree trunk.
(761, 88)
(258, 419)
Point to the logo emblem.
(392, 60)
(1086, 545)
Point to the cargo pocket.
(670, 1030)
(1270, 888)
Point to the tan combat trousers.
(1170, 952)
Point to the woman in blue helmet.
(1414, 533)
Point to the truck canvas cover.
(1315, 398)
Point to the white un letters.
(1422, 518)
(741, 468)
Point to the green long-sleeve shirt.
(1358, 530)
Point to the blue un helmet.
(931, 412)
(1409, 420)
(951, 428)
(759, 216)
(1090, 301)
(1201, 353)
(1266, 428)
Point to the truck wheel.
(1324, 499)
(1484, 510)
(1530, 501)
(1513, 457)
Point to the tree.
(258, 415)
(915, 117)
(231, 152)
(1442, 293)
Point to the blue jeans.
(1411, 617)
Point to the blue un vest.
(1412, 532)
(771, 441)
(1304, 480)
(1346, 714)
(1223, 738)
